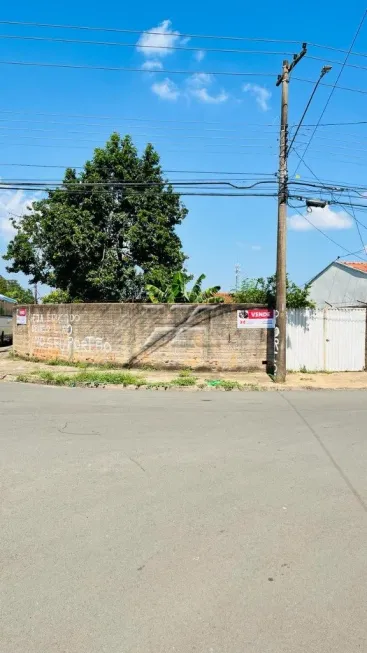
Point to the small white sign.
(21, 316)
(256, 318)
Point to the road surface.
(160, 522)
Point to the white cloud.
(200, 79)
(322, 218)
(199, 55)
(260, 93)
(166, 90)
(198, 84)
(152, 64)
(12, 204)
(256, 248)
(202, 95)
(156, 44)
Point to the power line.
(148, 31)
(106, 126)
(135, 45)
(175, 121)
(179, 34)
(134, 135)
(340, 88)
(325, 235)
(323, 71)
(357, 252)
(237, 138)
(265, 151)
(231, 73)
(342, 204)
(51, 39)
(317, 178)
(332, 89)
(135, 70)
(135, 119)
(337, 124)
(130, 192)
(356, 223)
(198, 172)
(79, 184)
(334, 62)
(116, 126)
(256, 174)
(161, 139)
(334, 49)
(327, 145)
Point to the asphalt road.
(159, 522)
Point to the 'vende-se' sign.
(256, 318)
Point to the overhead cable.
(333, 88)
(175, 121)
(44, 64)
(134, 45)
(146, 31)
(326, 235)
(197, 172)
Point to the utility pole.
(35, 293)
(280, 338)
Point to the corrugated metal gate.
(331, 339)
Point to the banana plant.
(176, 292)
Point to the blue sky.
(218, 123)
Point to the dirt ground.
(10, 368)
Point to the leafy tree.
(11, 288)
(176, 291)
(56, 297)
(107, 232)
(263, 291)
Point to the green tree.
(176, 291)
(107, 232)
(263, 291)
(11, 288)
(56, 297)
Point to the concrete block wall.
(200, 336)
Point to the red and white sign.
(256, 318)
(21, 316)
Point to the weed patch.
(183, 381)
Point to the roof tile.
(356, 265)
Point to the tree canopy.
(107, 232)
(12, 288)
(263, 291)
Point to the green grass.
(183, 381)
(227, 385)
(55, 362)
(95, 378)
(89, 377)
(230, 385)
(184, 373)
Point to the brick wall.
(163, 335)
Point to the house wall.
(339, 286)
(163, 335)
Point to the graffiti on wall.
(56, 331)
(276, 344)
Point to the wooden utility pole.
(280, 337)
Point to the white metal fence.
(330, 339)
